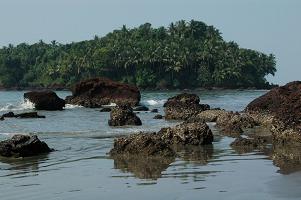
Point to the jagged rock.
(94, 93)
(123, 115)
(187, 133)
(23, 146)
(210, 115)
(140, 108)
(281, 106)
(183, 106)
(158, 117)
(45, 100)
(8, 115)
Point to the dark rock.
(140, 108)
(183, 106)
(1, 118)
(233, 124)
(106, 109)
(45, 100)
(187, 133)
(29, 115)
(154, 111)
(146, 144)
(283, 106)
(23, 146)
(8, 115)
(123, 115)
(158, 117)
(96, 92)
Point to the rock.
(187, 133)
(106, 109)
(158, 117)
(45, 100)
(163, 142)
(8, 115)
(29, 115)
(154, 111)
(211, 115)
(123, 115)
(1, 118)
(146, 144)
(94, 93)
(23, 146)
(140, 108)
(183, 106)
(22, 115)
(232, 124)
(246, 145)
(281, 106)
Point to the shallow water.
(81, 169)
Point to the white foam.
(71, 106)
(25, 105)
(153, 102)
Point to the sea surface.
(81, 168)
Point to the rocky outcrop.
(22, 115)
(45, 100)
(163, 142)
(233, 124)
(94, 93)
(123, 115)
(183, 106)
(281, 107)
(23, 146)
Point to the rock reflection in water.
(287, 158)
(22, 165)
(142, 167)
(152, 167)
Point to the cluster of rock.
(122, 115)
(162, 142)
(23, 146)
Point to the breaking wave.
(153, 102)
(25, 105)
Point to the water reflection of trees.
(152, 167)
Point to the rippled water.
(81, 169)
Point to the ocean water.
(81, 168)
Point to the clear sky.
(270, 26)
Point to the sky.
(269, 26)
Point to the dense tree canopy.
(183, 55)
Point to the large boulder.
(94, 93)
(45, 100)
(23, 146)
(123, 115)
(281, 106)
(183, 106)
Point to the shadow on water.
(152, 167)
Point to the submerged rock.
(183, 106)
(106, 109)
(94, 93)
(281, 106)
(45, 100)
(140, 108)
(22, 115)
(155, 110)
(158, 117)
(23, 146)
(123, 115)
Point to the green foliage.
(183, 55)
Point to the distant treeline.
(183, 55)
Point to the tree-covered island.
(183, 55)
